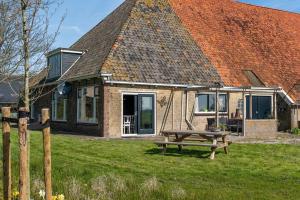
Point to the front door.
(145, 114)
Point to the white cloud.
(75, 29)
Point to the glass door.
(145, 114)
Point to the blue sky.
(82, 15)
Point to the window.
(206, 103)
(87, 103)
(261, 107)
(240, 105)
(253, 78)
(59, 107)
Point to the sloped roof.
(98, 42)
(154, 47)
(143, 41)
(237, 36)
(10, 89)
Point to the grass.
(134, 169)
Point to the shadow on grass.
(183, 153)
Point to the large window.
(59, 107)
(261, 107)
(206, 103)
(87, 103)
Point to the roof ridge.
(265, 7)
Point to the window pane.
(60, 107)
(146, 113)
(87, 105)
(89, 108)
(211, 102)
(223, 102)
(202, 103)
(96, 109)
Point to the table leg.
(179, 146)
(225, 143)
(213, 149)
(164, 148)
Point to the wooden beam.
(217, 109)
(47, 154)
(275, 105)
(250, 106)
(23, 169)
(244, 114)
(6, 155)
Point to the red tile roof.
(237, 36)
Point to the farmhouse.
(177, 64)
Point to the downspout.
(190, 125)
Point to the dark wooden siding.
(67, 60)
(71, 124)
(54, 62)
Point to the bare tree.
(10, 58)
(24, 40)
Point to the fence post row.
(47, 153)
(23, 143)
(6, 153)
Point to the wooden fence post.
(6, 155)
(23, 143)
(47, 153)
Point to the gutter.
(150, 84)
(57, 82)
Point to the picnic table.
(217, 140)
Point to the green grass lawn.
(135, 169)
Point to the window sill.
(62, 121)
(87, 123)
(209, 113)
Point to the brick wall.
(175, 116)
(261, 128)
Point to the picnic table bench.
(218, 140)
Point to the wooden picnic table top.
(194, 132)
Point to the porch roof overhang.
(217, 86)
(246, 89)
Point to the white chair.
(127, 124)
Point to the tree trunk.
(26, 87)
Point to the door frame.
(154, 118)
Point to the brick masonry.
(110, 111)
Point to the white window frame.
(210, 112)
(94, 120)
(54, 109)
